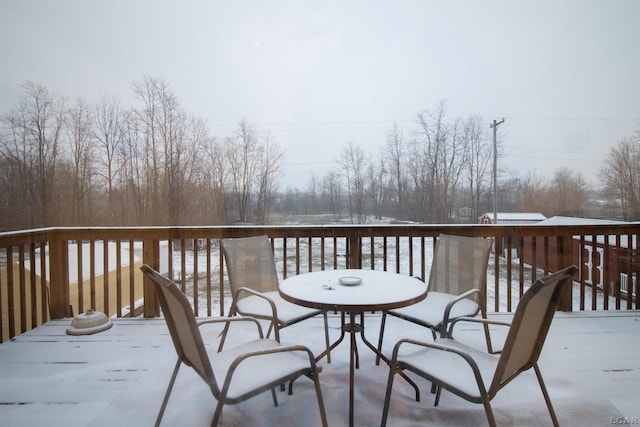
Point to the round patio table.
(353, 292)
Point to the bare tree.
(352, 163)
(267, 179)
(567, 193)
(170, 149)
(109, 132)
(439, 153)
(213, 172)
(532, 190)
(243, 154)
(134, 201)
(377, 184)
(81, 148)
(621, 175)
(332, 192)
(396, 154)
(479, 160)
(31, 144)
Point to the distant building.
(606, 264)
(511, 218)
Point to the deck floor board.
(50, 378)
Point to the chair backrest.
(530, 326)
(182, 325)
(460, 264)
(250, 264)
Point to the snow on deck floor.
(118, 377)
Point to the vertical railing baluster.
(284, 258)
(509, 274)
(183, 265)
(297, 240)
(372, 255)
(209, 284)
(118, 244)
(44, 300)
(153, 259)
(606, 284)
(521, 266)
(33, 291)
(80, 276)
(615, 264)
(397, 254)
(410, 238)
(385, 253)
(105, 276)
(2, 285)
(221, 278)
(196, 309)
(310, 254)
(92, 273)
(423, 259)
(595, 256)
(22, 289)
(534, 258)
(496, 271)
(11, 312)
(580, 270)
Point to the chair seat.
(451, 368)
(258, 370)
(287, 312)
(430, 309)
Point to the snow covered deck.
(117, 377)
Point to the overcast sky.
(565, 75)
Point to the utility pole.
(494, 125)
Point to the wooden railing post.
(354, 255)
(151, 257)
(59, 306)
(565, 259)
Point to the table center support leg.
(352, 356)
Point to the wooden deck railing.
(60, 272)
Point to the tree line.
(73, 164)
(441, 172)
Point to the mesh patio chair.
(236, 374)
(475, 375)
(254, 287)
(456, 288)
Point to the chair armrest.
(228, 320)
(477, 320)
(457, 298)
(485, 323)
(274, 310)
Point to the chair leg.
(382, 323)
(387, 396)
(168, 392)
(223, 334)
(323, 414)
(217, 414)
(546, 395)
(487, 409)
(437, 390)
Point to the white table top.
(379, 290)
